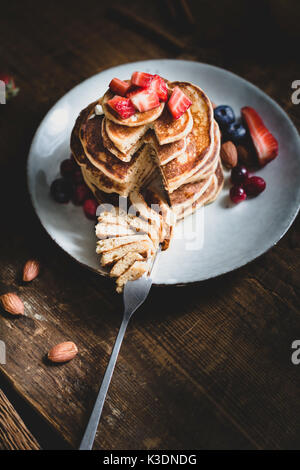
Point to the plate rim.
(290, 221)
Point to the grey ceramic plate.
(220, 237)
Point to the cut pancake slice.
(165, 153)
(143, 247)
(136, 224)
(137, 119)
(168, 130)
(134, 272)
(112, 243)
(124, 138)
(124, 263)
(142, 208)
(104, 230)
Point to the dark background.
(206, 366)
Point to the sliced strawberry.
(133, 90)
(178, 103)
(159, 85)
(119, 87)
(122, 106)
(141, 79)
(144, 99)
(264, 142)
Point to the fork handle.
(91, 429)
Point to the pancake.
(134, 272)
(124, 138)
(112, 243)
(167, 168)
(143, 247)
(109, 230)
(200, 142)
(167, 129)
(212, 161)
(124, 263)
(207, 197)
(137, 119)
(100, 168)
(165, 153)
(188, 193)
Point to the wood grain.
(202, 367)
(14, 435)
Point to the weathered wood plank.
(14, 435)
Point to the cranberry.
(90, 207)
(67, 168)
(60, 190)
(237, 194)
(254, 185)
(239, 174)
(80, 194)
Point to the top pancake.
(123, 137)
(137, 119)
(168, 130)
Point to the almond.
(63, 352)
(31, 270)
(229, 154)
(12, 304)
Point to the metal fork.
(135, 293)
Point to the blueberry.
(67, 168)
(224, 115)
(236, 132)
(61, 190)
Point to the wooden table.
(202, 367)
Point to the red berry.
(10, 87)
(159, 85)
(254, 186)
(237, 194)
(80, 194)
(144, 99)
(265, 144)
(239, 174)
(178, 103)
(119, 87)
(122, 106)
(141, 79)
(67, 168)
(90, 208)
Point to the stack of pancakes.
(122, 157)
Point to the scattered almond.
(12, 304)
(229, 154)
(63, 352)
(31, 270)
(245, 156)
(213, 105)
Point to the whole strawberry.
(10, 87)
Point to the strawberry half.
(119, 87)
(144, 99)
(141, 79)
(178, 103)
(265, 144)
(122, 106)
(159, 85)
